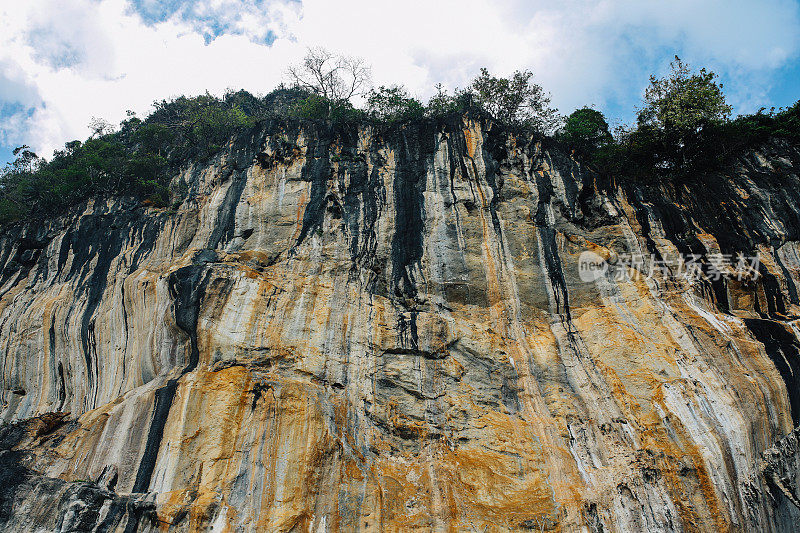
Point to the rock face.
(360, 330)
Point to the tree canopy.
(585, 130)
(516, 100)
(138, 159)
(393, 104)
(683, 101)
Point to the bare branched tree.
(334, 77)
(100, 127)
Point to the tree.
(442, 104)
(516, 100)
(334, 78)
(393, 104)
(26, 160)
(100, 127)
(585, 130)
(683, 101)
(18, 185)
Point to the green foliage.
(683, 101)
(137, 160)
(345, 113)
(516, 100)
(760, 126)
(393, 104)
(442, 104)
(682, 131)
(652, 154)
(17, 184)
(585, 131)
(315, 107)
(140, 157)
(278, 103)
(199, 126)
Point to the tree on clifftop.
(585, 131)
(393, 104)
(334, 79)
(683, 101)
(516, 100)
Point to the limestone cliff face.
(353, 330)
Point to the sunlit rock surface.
(359, 330)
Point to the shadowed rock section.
(360, 329)
(781, 468)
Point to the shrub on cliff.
(197, 126)
(18, 184)
(316, 107)
(760, 126)
(679, 124)
(682, 130)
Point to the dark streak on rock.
(187, 288)
(784, 350)
(62, 387)
(316, 170)
(789, 281)
(412, 150)
(161, 407)
(226, 215)
(550, 248)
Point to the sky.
(64, 62)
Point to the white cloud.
(70, 61)
(99, 59)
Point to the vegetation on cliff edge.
(683, 130)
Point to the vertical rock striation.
(352, 329)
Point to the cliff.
(351, 329)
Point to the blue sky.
(63, 63)
(212, 19)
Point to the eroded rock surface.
(359, 330)
(781, 467)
